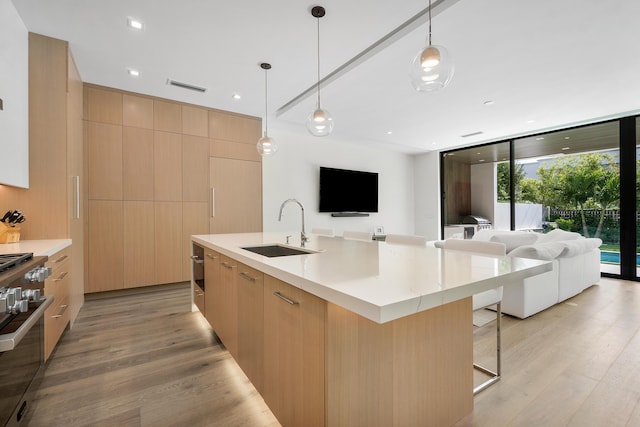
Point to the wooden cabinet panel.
(294, 354)
(234, 150)
(137, 163)
(213, 288)
(195, 121)
(168, 236)
(137, 111)
(234, 127)
(78, 193)
(194, 221)
(237, 195)
(226, 308)
(139, 244)
(167, 116)
(195, 169)
(250, 324)
(167, 153)
(104, 161)
(102, 106)
(106, 255)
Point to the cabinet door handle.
(61, 276)
(197, 261)
(226, 265)
(64, 308)
(211, 256)
(62, 258)
(285, 299)
(247, 276)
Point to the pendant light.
(266, 145)
(432, 67)
(319, 122)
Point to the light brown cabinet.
(225, 314)
(294, 354)
(105, 246)
(54, 202)
(236, 187)
(153, 157)
(58, 286)
(250, 283)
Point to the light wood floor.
(144, 360)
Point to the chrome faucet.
(303, 235)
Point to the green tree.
(503, 181)
(577, 182)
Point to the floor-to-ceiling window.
(580, 179)
(570, 179)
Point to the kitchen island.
(353, 333)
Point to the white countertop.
(37, 247)
(379, 281)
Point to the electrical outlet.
(379, 230)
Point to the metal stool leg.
(495, 376)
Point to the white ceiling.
(545, 64)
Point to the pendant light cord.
(318, 62)
(429, 22)
(266, 110)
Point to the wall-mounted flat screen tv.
(343, 190)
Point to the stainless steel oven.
(22, 307)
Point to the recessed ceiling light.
(566, 148)
(236, 96)
(481, 160)
(567, 137)
(389, 132)
(540, 138)
(489, 102)
(133, 73)
(135, 23)
(530, 121)
(433, 143)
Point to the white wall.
(427, 194)
(14, 91)
(293, 173)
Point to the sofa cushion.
(543, 251)
(579, 246)
(511, 239)
(557, 235)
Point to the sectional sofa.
(576, 266)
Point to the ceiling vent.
(186, 86)
(472, 134)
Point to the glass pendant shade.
(320, 122)
(266, 146)
(431, 69)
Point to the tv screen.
(344, 190)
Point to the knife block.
(9, 234)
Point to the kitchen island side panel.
(416, 370)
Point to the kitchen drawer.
(57, 285)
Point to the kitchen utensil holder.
(9, 234)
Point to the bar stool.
(483, 300)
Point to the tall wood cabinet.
(160, 171)
(53, 203)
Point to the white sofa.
(576, 266)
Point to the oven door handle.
(10, 341)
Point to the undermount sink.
(277, 250)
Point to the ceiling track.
(396, 34)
